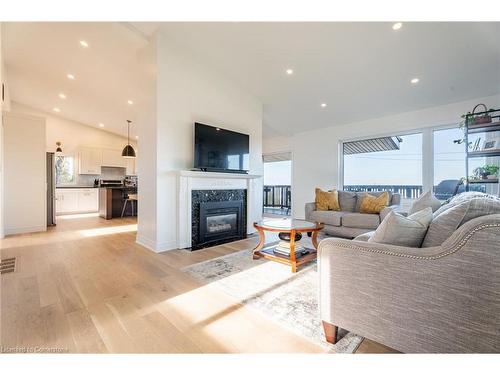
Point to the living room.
(305, 187)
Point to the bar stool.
(129, 198)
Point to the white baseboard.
(154, 246)
(22, 230)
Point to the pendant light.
(58, 149)
(128, 150)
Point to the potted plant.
(486, 172)
(479, 173)
(491, 171)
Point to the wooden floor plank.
(86, 286)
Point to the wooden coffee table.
(287, 227)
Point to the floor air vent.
(7, 265)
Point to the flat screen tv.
(217, 149)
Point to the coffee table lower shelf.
(268, 253)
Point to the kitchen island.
(112, 199)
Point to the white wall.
(73, 135)
(147, 161)
(188, 91)
(24, 174)
(315, 154)
(2, 79)
(274, 145)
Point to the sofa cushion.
(361, 194)
(399, 230)
(327, 200)
(456, 213)
(364, 237)
(457, 199)
(347, 201)
(425, 200)
(327, 217)
(372, 204)
(357, 220)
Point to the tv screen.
(220, 149)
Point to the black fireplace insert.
(218, 217)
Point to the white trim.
(187, 181)
(154, 246)
(201, 174)
(427, 160)
(340, 169)
(22, 230)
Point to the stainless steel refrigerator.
(51, 189)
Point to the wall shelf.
(471, 128)
(488, 181)
(484, 128)
(483, 153)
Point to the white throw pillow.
(425, 200)
(408, 231)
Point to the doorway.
(277, 194)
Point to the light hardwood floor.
(86, 286)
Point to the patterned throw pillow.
(400, 230)
(425, 200)
(327, 200)
(373, 205)
(459, 211)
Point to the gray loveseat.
(349, 222)
(439, 299)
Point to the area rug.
(269, 287)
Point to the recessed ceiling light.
(101, 125)
(57, 109)
(397, 26)
(414, 80)
(70, 76)
(323, 105)
(136, 137)
(130, 102)
(289, 71)
(62, 96)
(83, 43)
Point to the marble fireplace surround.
(197, 180)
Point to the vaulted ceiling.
(359, 70)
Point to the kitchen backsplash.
(107, 173)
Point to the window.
(449, 162)
(65, 170)
(389, 163)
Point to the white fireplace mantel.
(197, 180)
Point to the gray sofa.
(439, 299)
(349, 222)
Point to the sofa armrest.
(387, 210)
(310, 207)
(394, 294)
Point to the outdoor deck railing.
(278, 196)
(281, 195)
(406, 191)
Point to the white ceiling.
(111, 71)
(361, 70)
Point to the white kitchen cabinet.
(131, 166)
(76, 200)
(90, 160)
(113, 158)
(66, 201)
(88, 200)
